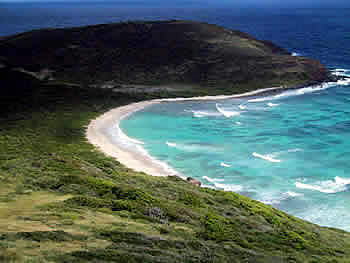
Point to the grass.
(63, 201)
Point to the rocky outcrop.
(193, 181)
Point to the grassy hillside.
(63, 201)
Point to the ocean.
(289, 150)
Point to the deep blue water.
(321, 33)
(290, 151)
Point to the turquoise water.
(289, 150)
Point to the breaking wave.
(225, 164)
(212, 180)
(274, 199)
(266, 157)
(226, 113)
(336, 185)
(194, 147)
(272, 104)
(125, 139)
(136, 146)
(202, 114)
(302, 91)
(341, 72)
(171, 144)
(225, 187)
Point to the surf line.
(265, 157)
(225, 164)
(96, 132)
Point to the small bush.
(39, 236)
(91, 202)
(292, 238)
(191, 199)
(157, 214)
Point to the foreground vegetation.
(63, 201)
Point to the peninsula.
(63, 200)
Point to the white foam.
(341, 72)
(266, 157)
(229, 187)
(136, 145)
(166, 167)
(261, 99)
(272, 104)
(171, 144)
(169, 170)
(293, 194)
(296, 54)
(193, 147)
(202, 114)
(225, 187)
(273, 199)
(297, 92)
(238, 123)
(125, 138)
(336, 185)
(242, 107)
(212, 180)
(344, 82)
(225, 164)
(226, 113)
(306, 90)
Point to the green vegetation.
(63, 201)
(162, 58)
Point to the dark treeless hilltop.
(158, 53)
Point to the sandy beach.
(98, 135)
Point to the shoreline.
(98, 135)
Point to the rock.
(193, 181)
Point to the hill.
(63, 201)
(158, 53)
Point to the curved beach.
(98, 135)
